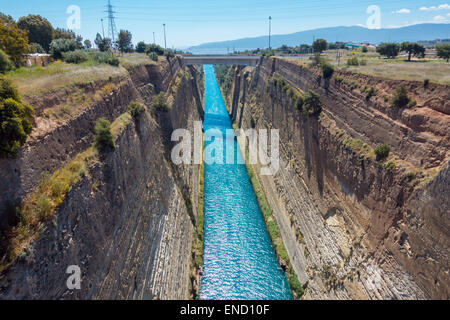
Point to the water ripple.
(239, 261)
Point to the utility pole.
(103, 30)
(270, 32)
(165, 43)
(154, 42)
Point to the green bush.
(136, 109)
(8, 90)
(327, 70)
(353, 61)
(159, 103)
(154, 48)
(311, 103)
(36, 48)
(169, 54)
(77, 56)
(107, 58)
(390, 166)
(370, 92)
(59, 46)
(400, 99)
(44, 207)
(5, 63)
(382, 151)
(15, 126)
(103, 136)
(153, 56)
(15, 119)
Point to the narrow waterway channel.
(239, 261)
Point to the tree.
(5, 63)
(15, 119)
(390, 50)
(443, 51)
(320, 45)
(124, 42)
(141, 47)
(79, 41)
(103, 44)
(413, 48)
(39, 29)
(59, 46)
(6, 18)
(60, 33)
(155, 48)
(36, 48)
(87, 44)
(13, 41)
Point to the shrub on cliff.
(15, 119)
(401, 99)
(382, 151)
(136, 109)
(327, 70)
(159, 103)
(311, 103)
(153, 56)
(103, 137)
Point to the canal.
(239, 261)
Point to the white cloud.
(403, 11)
(439, 18)
(444, 6)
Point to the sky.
(198, 21)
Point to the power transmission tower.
(112, 29)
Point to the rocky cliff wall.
(354, 229)
(129, 222)
(53, 143)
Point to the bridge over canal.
(221, 59)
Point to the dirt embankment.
(352, 227)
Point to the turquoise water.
(239, 261)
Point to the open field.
(36, 79)
(437, 70)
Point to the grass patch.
(277, 242)
(197, 246)
(40, 206)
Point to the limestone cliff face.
(352, 228)
(128, 224)
(49, 147)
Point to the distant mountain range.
(430, 31)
